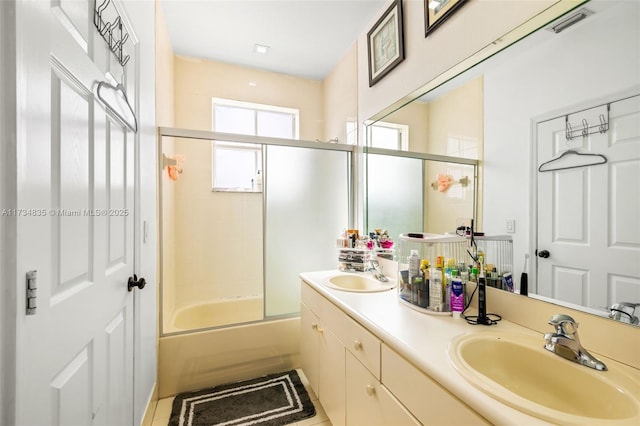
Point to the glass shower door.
(306, 208)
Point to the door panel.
(587, 216)
(71, 391)
(76, 353)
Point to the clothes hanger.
(115, 100)
(583, 160)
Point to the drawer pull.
(357, 344)
(371, 390)
(316, 328)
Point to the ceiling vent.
(565, 22)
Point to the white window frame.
(401, 129)
(257, 148)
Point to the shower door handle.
(135, 282)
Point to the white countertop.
(423, 340)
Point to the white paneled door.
(76, 192)
(589, 217)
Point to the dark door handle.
(135, 282)
(543, 254)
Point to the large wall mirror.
(569, 88)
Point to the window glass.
(275, 124)
(238, 166)
(229, 119)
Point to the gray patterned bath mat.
(273, 400)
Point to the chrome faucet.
(374, 267)
(565, 342)
(624, 312)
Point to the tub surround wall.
(218, 235)
(224, 228)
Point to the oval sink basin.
(516, 369)
(358, 283)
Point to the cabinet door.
(427, 399)
(332, 376)
(363, 345)
(309, 344)
(368, 402)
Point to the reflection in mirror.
(406, 194)
(589, 69)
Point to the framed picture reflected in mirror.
(438, 11)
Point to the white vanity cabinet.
(369, 402)
(360, 380)
(322, 353)
(341, 360)
(425, 398)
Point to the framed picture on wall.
(385, 43)
(438, 11)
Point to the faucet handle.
(564, 324)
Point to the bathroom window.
(388, 136)
(238, 166)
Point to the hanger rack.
(112, 30)
(564, 161)
(586, 129)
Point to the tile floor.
(163, 410)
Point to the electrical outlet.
(511, 226)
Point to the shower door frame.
(353, 164)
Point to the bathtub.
(216, 313)
(200, 359)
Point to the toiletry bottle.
(473, 277)
(435, 290)
(457, 297)
(424, 294)
(414, 273)
(453, 274)
(414, 264)
(440, 269)
(258, 181)
(508, 282)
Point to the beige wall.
(340, 94)
(457, 118)
(165, 117)
(198, 81)
(476, 25)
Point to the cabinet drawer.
(370, 403)
(363, 345)
(311, 298)
(425, 398)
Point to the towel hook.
(569, 130)
(603, 124)
(585, 128)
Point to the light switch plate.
(511, 226)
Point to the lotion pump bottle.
(457, 297)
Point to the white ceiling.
(307, 38)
